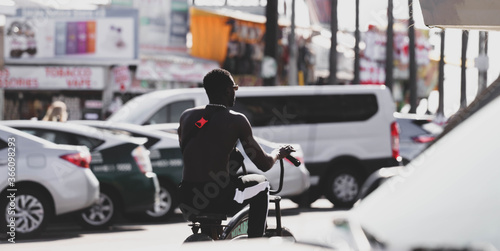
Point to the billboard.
(163, 26)
(53, 35)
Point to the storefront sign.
(320, 11)
(52, 78)
(122, 78)
(372, 63)
(232, 36)
(163, 26)
(44, 34)
(175, 69)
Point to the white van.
(346, 132)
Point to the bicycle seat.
(207, 216)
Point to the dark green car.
(166, 160)
(120, 163)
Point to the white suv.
(38, 180)
(346, 132)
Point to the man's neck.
(217, 105)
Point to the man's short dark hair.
(216, 82)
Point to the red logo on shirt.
(201, 122)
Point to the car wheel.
(32, 212)
(167, 203)
(342, 188)
(101, 214)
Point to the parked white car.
(40, 179)
(121, 164)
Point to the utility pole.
(356, 47)
(389, 57)
(482, 61)
(271, 37)
(332, 80)
(413, 63)
(440, 111)
(463, 83)
(292, 65)
(2, 65)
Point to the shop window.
(310, 109)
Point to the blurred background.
(96, 55)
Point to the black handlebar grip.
(292, 159)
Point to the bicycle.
(211, 224)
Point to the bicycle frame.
(238, 225)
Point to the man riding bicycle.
(208, 136)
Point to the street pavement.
(65, 235)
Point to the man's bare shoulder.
(198, 108)
(240, 119)
(237, 115)
(192, 110)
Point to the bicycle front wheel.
(237, 227)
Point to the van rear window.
(280, 110)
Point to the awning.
(174, 68)
(461, 14)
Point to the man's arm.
(259, 157)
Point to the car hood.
(447, 197)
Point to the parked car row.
(166, 159)
(138, 162)
(346, 132)
(135, 170)
(39, 180)
(417, 132)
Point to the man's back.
(207, 149)
(207, 137)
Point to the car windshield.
(447, 196)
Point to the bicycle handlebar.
(292, 159)
(295, 162)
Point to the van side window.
(311, 109)
(170, 113)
